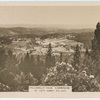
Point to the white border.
(50, 98)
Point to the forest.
(79, 69)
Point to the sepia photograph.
(50, 46)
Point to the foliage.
(50, 59)
(64, 74)
(4, 87)
(84, 38)
(27, 64)
(80, 70)
(23, 81)
(77, 56)
(5, 40)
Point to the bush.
(65, 74)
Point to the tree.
(38, 68)
(25, 63)
(48, 59)
(3, 58)
(77, 57)
(11, 69)
(31, 64)
(87, 52)
(10, 53)
(60, 57)
(38, 60)
(4, 88)
(95, 49)
(53, 61)
(64, 74)
(23, 81)
(95, 52)
(96, 43)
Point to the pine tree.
(11, 64)
(53, 60)
(3, 58)
(38, 68)
(25, 63)
(95, 53)
(10, 53)
(86, 52)
(60, 57)
(48, 59)
(31, 64)
(10, 70)
(49, 53)
(38, 60)
(77, 56)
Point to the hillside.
(80, 35)
(40, 31)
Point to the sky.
(65, 16)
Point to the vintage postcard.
(50, 49)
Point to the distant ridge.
(40, 30)
(49, 26)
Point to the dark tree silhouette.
(25, 63)
(11, 69)
(95, 54)
(97, 33)
(60, 57)
(77, 56)
(38, 60)
(3, 58)
(87, 52)
(48, 58)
